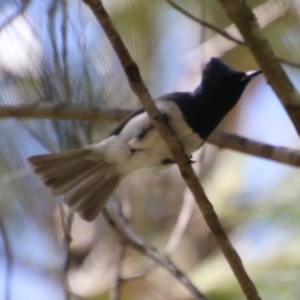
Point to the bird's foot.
(190, 159)
(161, 118)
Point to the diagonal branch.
(182, 224)
(116, 287)
(224, 33)
(16, 13)
(244, 145)
(123, 228)
(242, 16)
(138, 87)
(62, 111)
(205, 23)
(9, 260)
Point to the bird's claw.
(190, 159)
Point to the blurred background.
(54, 52)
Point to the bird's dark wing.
(172, 97)
(121, 125)
(119, 128)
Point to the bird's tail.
(85, 184)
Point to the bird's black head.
(219, 91)
(222, 84)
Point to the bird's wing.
(123, 123)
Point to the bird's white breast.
(134, 152)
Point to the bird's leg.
(190, 159)
(161, 118)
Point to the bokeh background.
(54, 52)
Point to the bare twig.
(241, 144)
(20, 10)
(121, 248)
(123, 228)
(222, 32)
(138, 87)
(38, 137)
(186, 212)
(79, 112)
(140, 273)
(52, 10)
(181, 224)
(66, 224)
(116, 288)
(205, 23)
(242, 16)
(9, 259)
(64, 32)
(62, 111)
(288, 62)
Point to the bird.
(87, 177)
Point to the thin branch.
(64, 32)
(37, 136)
(9, 259)
(52, 10)
(242, 16)
(205, 23)
(116, 288)
(79, 112)
(140, 273)
(288, 62)
(222, 32)
(123, 228)
(187, 172)
(241, 144)
(66, 224)
(19, 11)
(62, 111)
(159, 294)
(181, 224)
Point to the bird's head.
(224, 83)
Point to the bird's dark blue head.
(222, 84)
(219, 91)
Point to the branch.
(140, 273)
(20, 10)
(116, 288)
(242, 16)
(79, 112)
(205, 23)
(62, 111)
(9, 260)
(187, 172)
(288, 62)
(66, 224)
(67, 91)
(128, 235)
(182, 224)
(244, 145)
(222, 32)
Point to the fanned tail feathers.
(85, 184)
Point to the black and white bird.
(87, 177)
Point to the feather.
(86, 184)
(93, 202)
(87, 177)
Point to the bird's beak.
(252, 74)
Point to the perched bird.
(87, 177)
